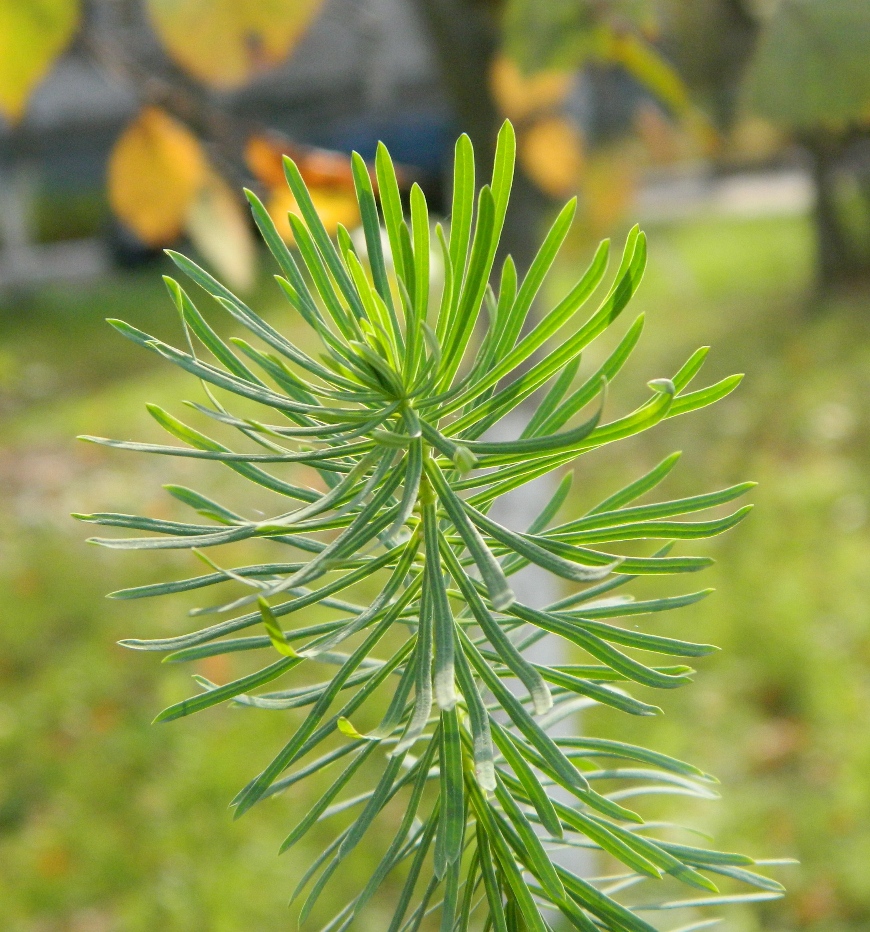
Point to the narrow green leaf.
(507, 866)
(533, 732)
(451, 829)
(242, 313)
(538, 860)
(704, 396)
(414, 872)
(419, 305)
(321, 237)
(659, 856)
(285, 608)
(482, 751)
(422, 661)
(552, 399)
(597, 648)
(460, 216)
(501, 643)
(679, 506)
(500, 593)
(256, 789)
(222, 693)
(371, 226)
(530, 783)
(639, 487)
(490, 882)
(603, 694)
(563, 312)
(391, 205)
(394, 853)
(601, 905)
(198, 325)
(325, 798)
(443, 627)
(542, 371)
(711, 901)
(610, 748)
(541, 444)
(473, 288)
(536, 554)
(503, 170)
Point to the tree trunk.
(840, 257)
(464, 36)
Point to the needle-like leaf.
(390, 415)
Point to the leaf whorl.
(392, 414)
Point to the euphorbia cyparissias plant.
(393, 414)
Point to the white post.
(536, 587)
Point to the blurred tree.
(465, 37)
(802, 66)
(810, 75)
(520, 59)
(711, 43)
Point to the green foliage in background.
(810, 67)
(390, 418)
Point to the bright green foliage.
(393, 417)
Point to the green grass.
(780, 714)
(109, 823)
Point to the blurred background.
(737, 132)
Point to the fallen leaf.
(227, 42)
(33, 33)
(155, 171)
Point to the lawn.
(109, 823)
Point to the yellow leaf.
(519, 95)
(335, 206)
(32, 35)
(219, 228)
(227, 42)
(551, 152)
(155, 171)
